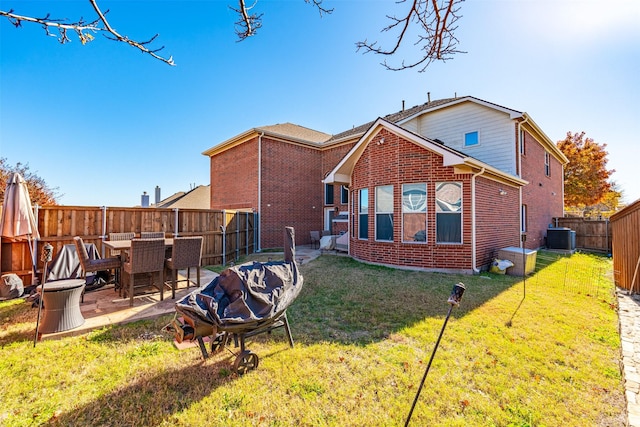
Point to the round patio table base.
(61, 305)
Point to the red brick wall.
(497, 219)
(292, 189)
(234, 177)
(292, 192)
(395, 162)
(543, 194)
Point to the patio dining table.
(125, 245)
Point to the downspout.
(521, 142)
(473, 220)
(259, 249)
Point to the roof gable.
(405, 115)
(341, 174)
(285, 131)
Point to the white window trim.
(464, 139)
(361, 212)
(547, 163)
(461, 215)
(376, 213)
(344, 189)
(426, 217)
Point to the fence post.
(224, 244)
(175, 222)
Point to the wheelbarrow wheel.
(245, 362)
(219, 342)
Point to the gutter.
(474, 267)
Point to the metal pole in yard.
(47, 255)
(454, 299)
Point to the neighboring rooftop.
(197, 198)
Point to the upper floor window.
(523, 148)
(448, 212)
(328, 194)
(547, 164)
(414, 212)
(344, 195)
(363, 214)
(471, 139)
(384, 213)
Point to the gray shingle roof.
(295, 131)
(393, 118)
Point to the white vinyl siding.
(450, 125)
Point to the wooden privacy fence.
(625, 227)
(227, 234)
(591, 235)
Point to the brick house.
(439, 186)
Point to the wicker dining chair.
(120, 236)
(117, 253)
(315, 238)
(186, 253)
(89, 265)
(152, 235)
(145, 256)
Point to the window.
(328, 194)
(414, 212)
(363, 214)
(523, 218)
(547, 164)
(384, 213)
(449, 212)
(523, 148)
(470, 139)
(344, 195)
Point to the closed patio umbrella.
(17, 220)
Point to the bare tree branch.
(142, 46)
(247, 25)
(84, 30)
(321, 9)
(435, 20)
(81, 28)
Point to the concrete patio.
(104, 307)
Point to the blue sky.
(103, 122)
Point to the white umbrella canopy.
(17, 219)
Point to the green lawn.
(544, 352)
